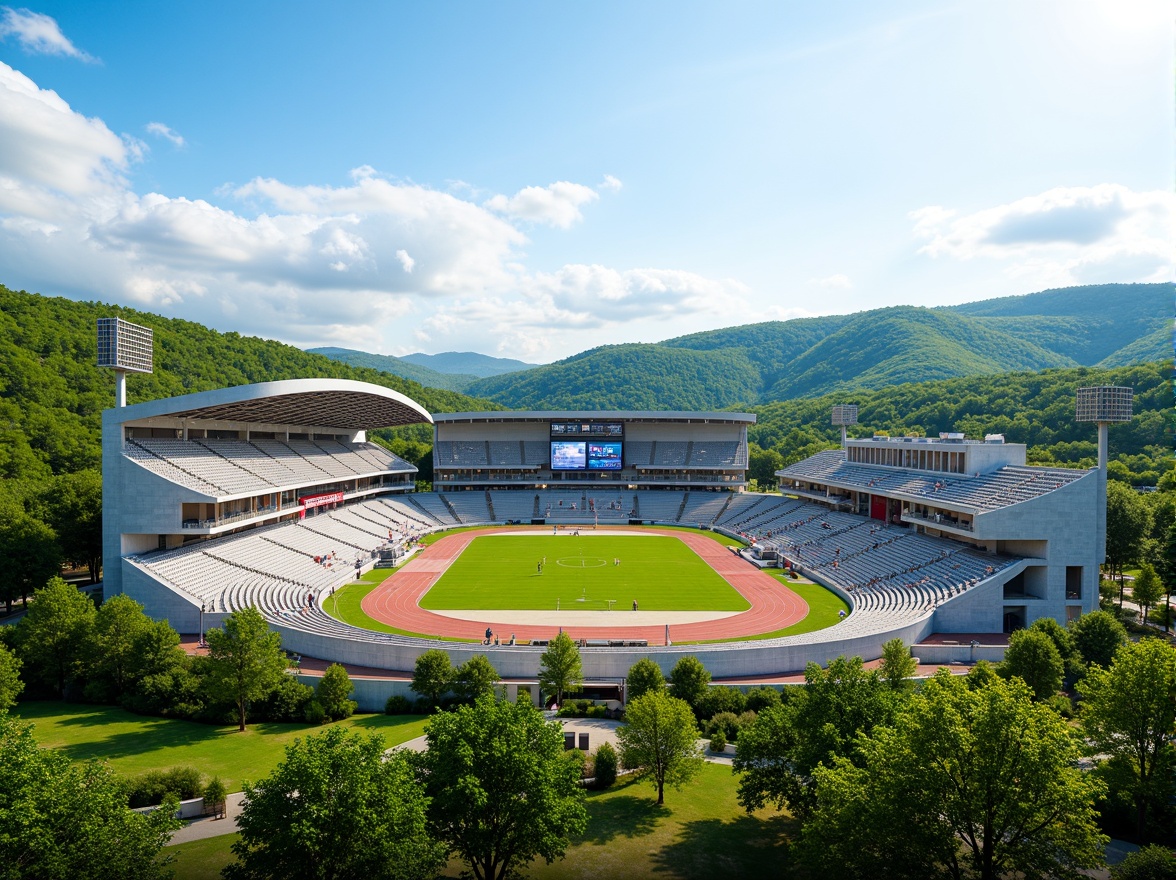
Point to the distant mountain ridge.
(1107, 325)
(450, 370)
(469, 362)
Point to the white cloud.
(37, 33)
(836, 282)
(556, 205)
(610, 183)
(1067, 235)
(163, 131)
(309, 264)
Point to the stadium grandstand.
(271, 496)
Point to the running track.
(773, 606)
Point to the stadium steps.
(429, 517)
(449, 507)
(689, 456)
(682, 506)
(490, 506)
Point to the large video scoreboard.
(587, 446)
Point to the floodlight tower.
(1103, 404)
(125, 348)
(845, 414)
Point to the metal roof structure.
(327, 403)
(598, 415)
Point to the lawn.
(134, 744)
(659, 572)
(700, 832)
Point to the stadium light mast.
(1103, 404)
(845, 414)
(125, 348)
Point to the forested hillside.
(1035, 408)
(52, 393)
(1105, 325)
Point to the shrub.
(725, 723)
(423, 706)
(578, 759)
(398, 705)
(718, 741)
(150, 789)
(1061, 704)
(606, 765)
(721, 699)
(597, 711)
(315, 713)
(1150, 863)
(286, 702)
(333, 693)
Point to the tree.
(1033, 658)
(689, 680)
(245, 660)
(1150, 863)
(644, 676)
(1097, 636)
(560, 669)
(1128, 521)
(30, 552)
(762, 465)
(1128, 713)
(118, 625)
(780, 750)
(1166, 568)
(336, 807)
(1064, 641)
(60, 820)
(502, 794)
(72, 507)
(334, 693)
(968, 783)
(475, 677)
(432, 675)
(897, 664)
(53, 635)
(10, 683)
(164, 683)
(604, 765)
(1147, 590)
(659, 740)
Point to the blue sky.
(531, 180)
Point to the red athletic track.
(773, 606)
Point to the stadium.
(271, 495)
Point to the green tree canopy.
(53, 636)
(502, 794)
(1033, 658)
(72, 506)
(689, 680)
(1147, 589)
(334, 693)
(475, 677)
(897, 664)
(1097, 636)
(118, 626)
(61, 821)
(968, 783)
(1063, 640)
(644, 676)
(245, 661)
(1150, 863)
(1128, 712)
(1128, 522)
(432, 676)
(336, 808)
(560, 669)
(779, 751)
(659, 740)
(30, 552)
(10, 683)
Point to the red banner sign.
(309, 501)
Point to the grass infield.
(581, 572)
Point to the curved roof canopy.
(328, 403)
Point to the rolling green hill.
(467, 363)
(52, 393)
(398, 367)
(1102, 325)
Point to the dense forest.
(1035, 408)
(811, 357)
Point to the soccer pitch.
(581, 573)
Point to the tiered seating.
(703, 507)
(715, 454)
(249, 457)
(506, 453)
(461, 453)
(509, 505)
(638, 453)
(306, 469)
(740, 506)
(1000, 488)
(670, 453)
(536, 453)
(204, 464)
(470, 506)
(169, 471)
(661, 505)
(431, 504)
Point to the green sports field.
(659, 572)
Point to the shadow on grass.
(155, 734)
(621, 816)
(743, 847)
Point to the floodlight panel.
(845, 414)
(125, 346)
(1104, 403)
